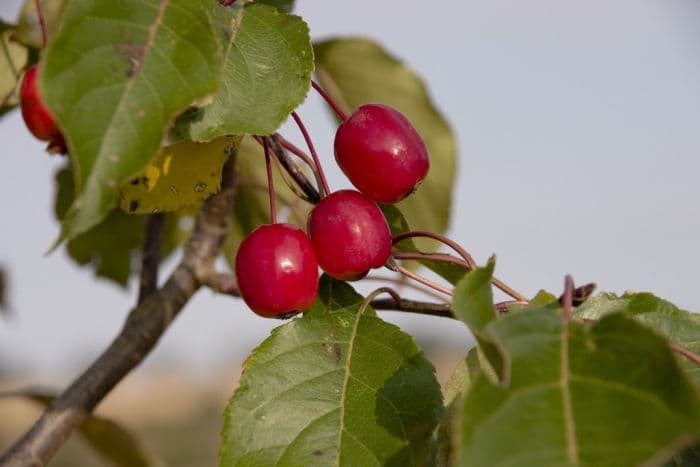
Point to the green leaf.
(13, 59)
(182, 175)
(251, 206)
(115, 75)
(110, 247)
(333, 388)
(454, 391)
(398, 224)
(337, 296)
(609, 395)
(28, 26)
(282, 5)
(267, 74)
(473, 304)
(358, 71)
(108, 438)
(677, 325)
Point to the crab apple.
(36, 115)
(350, 235)
(277, 270)
(381, 153)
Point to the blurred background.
(578, 125)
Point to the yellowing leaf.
(182, 174)
(13, 58)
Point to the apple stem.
(567, 298)
(310, 144)
(442, 239)
(422, 280)
(336, 108)
(468, 263)
(291, 147)
(42, 24)
(374, 294)
(270, 182)
(400, 282)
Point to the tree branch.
(141, 332)
(413, 306)
(148, 283)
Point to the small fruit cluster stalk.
(38, 118)
(386, 159)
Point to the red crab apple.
(350, 235)
(276, 270)
(36, 115)
(381, 153)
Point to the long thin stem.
(311, 193)
(42, 23)
(687, 353)
(446, 258)
(312, 149)
(568, 297)
(422, 280)
(374, 295)
(413, 306)
(342, 115)
(419, 256)
(270, 182)
(294, 149)
(401, 283)
(471, 264)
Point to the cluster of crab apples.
(347, 234)
(277, 265)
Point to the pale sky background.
(579, 132)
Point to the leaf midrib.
(152, 29)
(346, 379)
(568, 413)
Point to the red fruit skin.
(350, 235)
(36, 115)
(277, 270)
(381, 153)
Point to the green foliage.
(110, 246)
(612, 394)
(336, 387)
(473, 304)
(677, 325)
(267, 73)
(282, 5)
(151, 96)
(115, 75)
(359, 71)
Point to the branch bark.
(139, 335)
(148, 283)
(413, 306)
